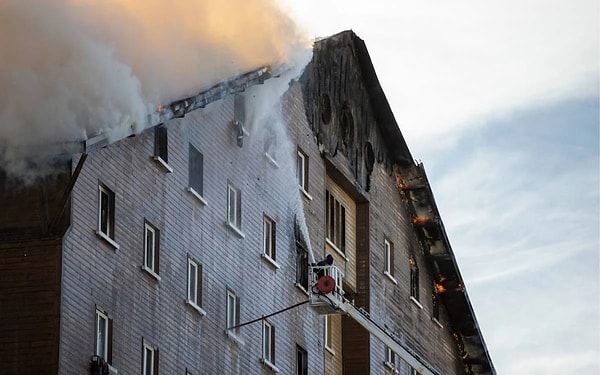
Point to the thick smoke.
(72, 69)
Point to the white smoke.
(72, 69)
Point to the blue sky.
(499, 99)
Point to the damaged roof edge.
(398, 148)
(180, 108)
(421, 169)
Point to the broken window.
(414, 277)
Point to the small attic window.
(325, 109)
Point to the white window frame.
(231, 309)
(198, 194)
(234, 209)
(389, 258)
(390, 358)
(108, 233)
(269, 250)
(102, 352)
(335, 236)
(152, 350)
(150, 260)
(328, 335)
(302, 172)
(268, 347)
(194, 268)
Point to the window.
(233, 309)
(270, 145)
(414, 278)
(194, 289)
(435, 302)
(302, 170)
(151, 248)
(234, 207)
(103, 336)
(196, 172)
(335, 222)
(302, 268)
(161, 144)
(328, 334)
(106, 214)
(390, 357)
(301, 361)
(150, 360)
(413, 371)
(268, 342)
(269, 231)
(389, 257)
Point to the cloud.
(452, 65)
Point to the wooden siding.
(334, 364)
(30, 274)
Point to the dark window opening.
(196, 170)
(160, 143)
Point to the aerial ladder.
(326, 296)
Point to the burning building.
(189, 247)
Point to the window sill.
(106, 238)
(437, 322)
(416, 302)
(390, 365)
(269, 365)
(270, 260)
(299, 286)
(151, 272)
(271, 160)
(235, 229)
(163, 164)
(336, 249)
(305, 193)
(330, 350)
(112, 370)
(196, 308)
(233, 337)
(197, 196)
(389, 276)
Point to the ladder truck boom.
(326, 296)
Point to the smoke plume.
(73, 69)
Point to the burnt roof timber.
(460, 310)
(181, 107)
